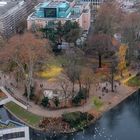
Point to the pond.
(120, 123)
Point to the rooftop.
(9, 124)
(6, 5)
(53, 4)
(65, 10)
(5, 120)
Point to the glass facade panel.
(12, 135)
(50, 12)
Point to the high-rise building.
(12, 13)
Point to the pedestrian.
(41, 85)
(106, 84)
(119, 83)
(99, 87)
(115, 86)
(106, 90)
(11, 84)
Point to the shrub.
(138, 74)
(97, 102)
(81, 95)
(75, 119)
(45, 102)
(76, 100)
(56, 101)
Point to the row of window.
(12, 135)
(94, 1)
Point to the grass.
(134, 81)
(23, 114)
(97, 103)
(51, 72)
(57, 61)
(52, 68)
(10, 125)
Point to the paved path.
(122, 91)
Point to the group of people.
(106, 86)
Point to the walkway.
(109, 99)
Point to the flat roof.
(53, 4)
(6, 5)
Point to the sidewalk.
(114, 98)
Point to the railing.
(14, 96)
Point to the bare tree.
(74, 66)
(101, 44)
(130, 29)
(71, 73)
(87, 78)
(108, 18)
(64, 84)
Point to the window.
(13, 135)
(50, 12)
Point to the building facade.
(94, 3)
(21, 133)
(11, 130)
(60, 11)
(12, 13)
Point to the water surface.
(120, 123)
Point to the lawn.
(23, 114)
(134, 81)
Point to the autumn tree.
(101, 44)
(108, 18)
(122, 58)
(25, 51)
(130, 30)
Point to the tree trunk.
(100, 60)
(28, 91)
(121, 73)
(73, 87)
(112, 80)
(80, 85)
(65, 97)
